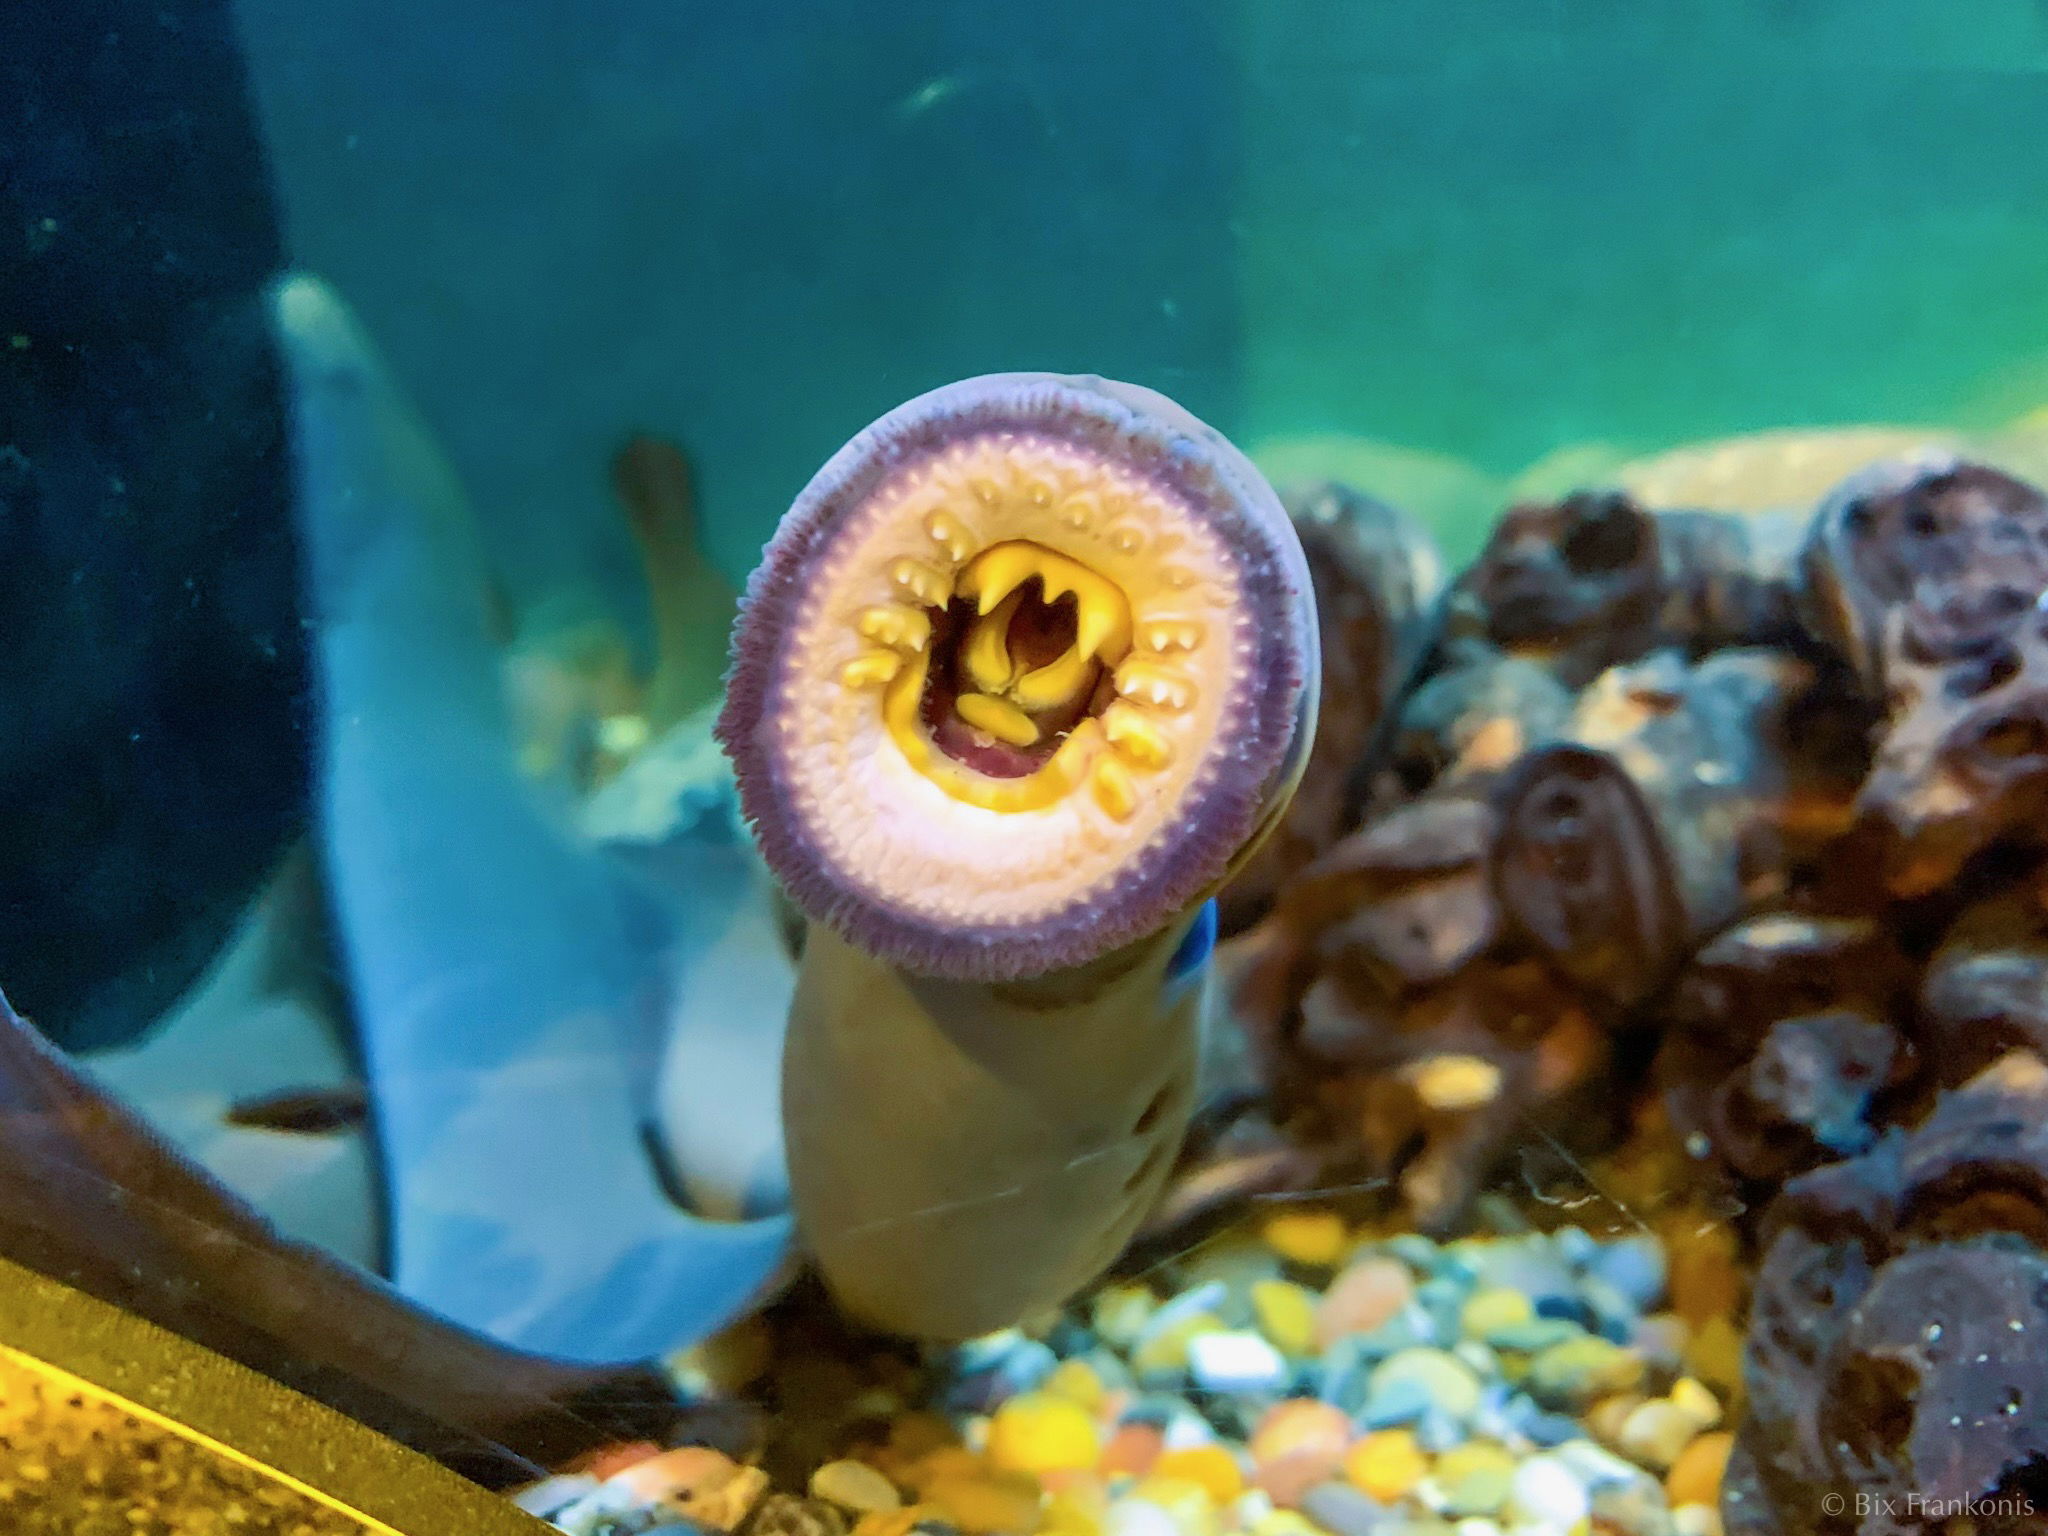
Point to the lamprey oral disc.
(1023, 669)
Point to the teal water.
(1497, 230)
(1487, 230)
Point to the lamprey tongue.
(1026, 666)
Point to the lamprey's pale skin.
(1026, 672)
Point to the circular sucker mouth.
(1025, 669)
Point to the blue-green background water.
(1485, 229)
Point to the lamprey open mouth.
(1024, 669)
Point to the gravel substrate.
(1300, 1378)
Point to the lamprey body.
(1027, 671)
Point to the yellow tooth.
(949, 534)
(1103, 626)
(1038, 493)
(986, 491)
(1148, 682)
(1179, 577)
(1056, 682)
(1080, 512)
(871, 669)
(1169, 634)
(1137, 738)
(1000, 718)
(1104, 623)
(1114, 791)
(986, 655)
(1127, 540)
(898, 627)
(932, 588)
(998, 572)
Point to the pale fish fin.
(497, 976)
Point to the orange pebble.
(1287, 1479)
(1210, 1466)
(1363, 1297)
(1068, 1479)
(1131, 1451)
(1695, 1478)
(1300, 1424)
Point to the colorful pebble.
(1043, 1432)
(1132, 1450)
(1076, 1379)
(855, 1485)
(1386, 1464)
(1696, 1402)
(1487, 1312)
(1656, 1432)
(1286, 1315)
(1366, 1295)
(1544, 1491)
(987, 1504)
(1458, 1386)
(1235, 1361)
(1164, 1352)
(1286, 1480)
(1300, 1424)
(1315, 1239)
(1582, 1370)
(1449, 1385)
(1188, 1504)
(1211, 1467)
(1695, 1477)
(1474, 1478)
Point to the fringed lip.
(845, 862)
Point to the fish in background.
(509, 980)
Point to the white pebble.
(1696, 1520)
(1476, 1525)
(1235, 1362)
(1479, 1357)
(1186, 1430)
(1598, 1467)
(1138, 1517)
(1253, 1505)
(1548, 1492)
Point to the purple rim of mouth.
(1271, 716)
